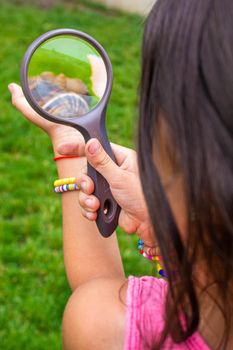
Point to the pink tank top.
(144, 316)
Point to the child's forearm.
(87, 255)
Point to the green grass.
(33, 286)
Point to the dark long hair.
(187, 73)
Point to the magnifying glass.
(66, 77)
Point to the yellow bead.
(159, 267)
(155, 258)
(66, 181)
(72, 180)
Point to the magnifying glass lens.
(67, 77)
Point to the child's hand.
(66, 140)
(125, 186)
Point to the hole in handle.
(108, 208)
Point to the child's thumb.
(101, 161)
(20, 102)
(16, 92)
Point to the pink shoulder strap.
(145, 316)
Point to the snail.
(66, 83)
(67, 105)
(60, 96)
(43, 90)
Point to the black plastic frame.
(91, 125)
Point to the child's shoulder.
(99, 310)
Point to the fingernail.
(89, 202)
(11, 87)
(83, 185)
(94, 147)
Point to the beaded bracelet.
(156, 258)
(65, 185)
(66, 181)
(65, 188)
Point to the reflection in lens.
(67, 77)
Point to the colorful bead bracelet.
(65, 188)
(156, 258)
(65, 185)
(66, 181)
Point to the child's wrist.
(55, 145)
(71, 167)
(57, 138)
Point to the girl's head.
(186, 149)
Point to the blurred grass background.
(33, 286)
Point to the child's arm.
(93, 263)
(87, 254)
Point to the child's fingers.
(89, 216)
(86, 184)
(152, 251)
(88, 202)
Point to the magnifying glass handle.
(108, 213)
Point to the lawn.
(33, 286)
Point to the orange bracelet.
(64, 157)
